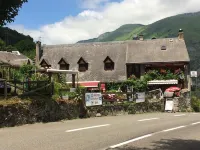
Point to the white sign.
(169, 105)
(193, 74)
(72, 89)
(65, 97)
(140, 97)
(93, 99)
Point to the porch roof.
(162, 82)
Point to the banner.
(140, 97)
(93, 99)
(169, 105)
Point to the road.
(165, 131)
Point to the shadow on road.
(173, 144)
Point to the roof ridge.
(103, 43)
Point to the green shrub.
(195, 103)
(55, 97)
(39, 77)
(131, 108)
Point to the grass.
(13, 101)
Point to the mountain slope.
(121, 33)
(11, 37)
(167, 27)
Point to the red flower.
(163, 71)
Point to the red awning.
(89, 83)
(173, 89)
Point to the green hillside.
(167, 27)
(121, 33)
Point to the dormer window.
(83, 65)
(108, 64)
(45, 64)
(64, 65)
(163, 47)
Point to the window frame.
(82, 65)
(63, 65)
(109, 65)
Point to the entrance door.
(133, 69)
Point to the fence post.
(5, 89)
(23, 86)
(15, 83)
(52, 88)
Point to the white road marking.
(130, 141)
(149, 135)
(195, 123)
(194, 113)
(179, 115)
(174, 128)
(88, 128)
(148, 119)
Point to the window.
(45, 64)
(83, 65)
(63, 64)
(163, 48)
(108, 64)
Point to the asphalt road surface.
(160, 131)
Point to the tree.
(10, 48)
(9, 9)
(2, 45)
(25, 45)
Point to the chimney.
(141, 37)
(180, 34)
(38, 53)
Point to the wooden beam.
(73, 80)
(5, 89)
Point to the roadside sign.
(140, 97)
(93, 99)
(193, 74)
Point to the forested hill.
(11, 40)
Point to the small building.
(116, 61)
(11, 60)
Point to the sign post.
(193, 74)
(140, 97)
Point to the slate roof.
(13, 59)
(150, 51)
(121, 53)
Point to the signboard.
(140, 97)
(66, 97)
(72, 89)
(193, 74)
(130, 96)
(169, 105)
(93, 99)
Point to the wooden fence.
(15, 87)
(3, 88)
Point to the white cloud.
(92, 3)
(93, 22)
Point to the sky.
(69, 21)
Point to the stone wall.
(183, 103)
(28, 113)
(125, 108)
(49, 111)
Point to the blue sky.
(68, 21)
(36, 13)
